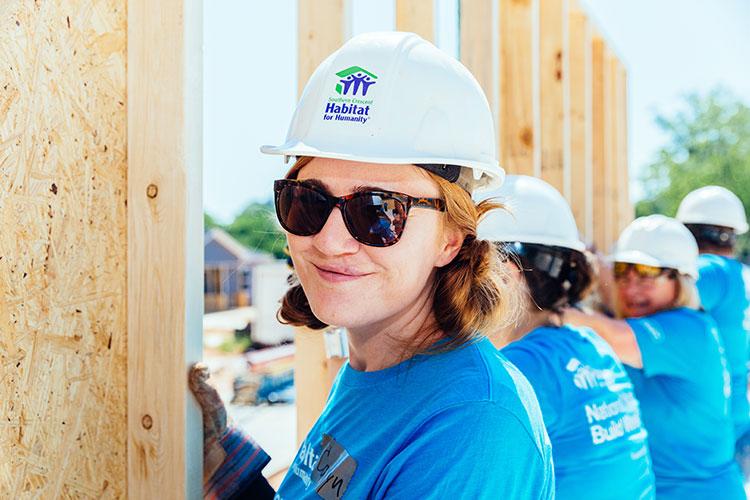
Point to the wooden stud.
(519, 94)
(322, 27)
(417, 16)
(598, 143)
(311, 379)
(554, 91)
(611, 188)
(580, 119)
(164, 247)
(479, 46)
(625, 214)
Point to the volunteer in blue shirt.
(716, 216)
(599, 445)
(675, 359)
(390, 128)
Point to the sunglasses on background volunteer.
(643, 271)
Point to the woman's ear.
(450, 245)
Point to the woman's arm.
(616, 332)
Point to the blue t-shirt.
(599, 445)
(684, 392)
(461, 424)
(724, 287)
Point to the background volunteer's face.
(353, 285)
(643, 296)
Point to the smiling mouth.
(637, 306)
(338, 275)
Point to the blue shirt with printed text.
(684, 391)
(460, 424)
(599, 446)
(724, 288)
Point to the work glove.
(231, 460)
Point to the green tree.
(256, 228)
(209, 222)
(709, 143)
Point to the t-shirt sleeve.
(712, 283)
(471, 450)
(662, 342)
(542, 377)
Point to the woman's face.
(638, 296)
(353, 285)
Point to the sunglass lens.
(375, 219)
(301, 210)
(621, 269)
(645, 271)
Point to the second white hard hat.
(395, 98)
(713, 205)
(536, 213)
(660, 241)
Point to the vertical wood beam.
(164, 246)
(598, 143)
(479, 46)
(625, 215)
(580, 119)
(554, 89)
(322, 27)
(519, 87)
(612, 194)
(417, 16)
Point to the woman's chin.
(338, 314)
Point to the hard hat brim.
(638, 257)
(493, 173)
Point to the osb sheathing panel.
(63, 229)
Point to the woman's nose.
(334, 238)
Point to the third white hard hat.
(536, 213)
(657, 240)
(713, 205)
(395, 98)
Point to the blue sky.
(670, 47)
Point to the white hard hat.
(395, 98)
(657, 240)
(536, 213)
(713, 205)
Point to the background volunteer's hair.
(550, 294)
(473, 294)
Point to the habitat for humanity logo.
(353, 81)
(354, 78)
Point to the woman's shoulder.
(683, 323)
(477, 373)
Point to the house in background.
(227, 271)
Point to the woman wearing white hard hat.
(674, 357)
(390, 137)
(599, 446)
(715, 216)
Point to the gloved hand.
(231, 460)
(214, 419)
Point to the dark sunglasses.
(373, 218)
(621, 269)
(553, 261)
